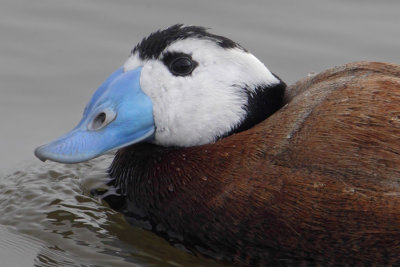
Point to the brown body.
(318, 181)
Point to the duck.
(217, 153)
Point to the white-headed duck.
(215, 152)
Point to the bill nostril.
(99, 120)
(102, 119)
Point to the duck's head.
(181, 86)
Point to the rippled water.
(50, 219)
(53, 55)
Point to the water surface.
(53, 55)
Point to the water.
(49, 219)
(54, 54)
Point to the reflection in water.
(52, 204)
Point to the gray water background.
(54, 54)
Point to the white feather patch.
(196, 109)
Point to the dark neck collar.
(262, 103)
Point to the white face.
(198, 108)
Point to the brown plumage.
(318, 181)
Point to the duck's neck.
(173, 189)
(150, 175)
(142, 166)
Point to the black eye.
(182, 66)
(178, 63)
